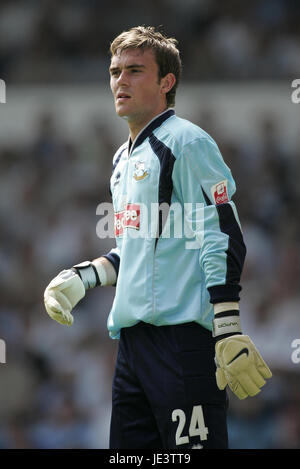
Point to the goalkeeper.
(176, 306)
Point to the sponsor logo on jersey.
(127, 218)
(219, 192)
(140, 171)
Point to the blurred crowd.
(55, 41)
(55, 390)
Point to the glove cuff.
(226, 321)
(88, 274)
(106, 271)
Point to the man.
(176, 306)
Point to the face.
(139, 95)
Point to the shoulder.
(180, 133)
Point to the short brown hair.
(165, 51)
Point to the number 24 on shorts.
(197, 426)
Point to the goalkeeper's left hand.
(239, 363)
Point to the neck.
(136, 127)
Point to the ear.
(167, 83)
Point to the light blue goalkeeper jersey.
(173, 264)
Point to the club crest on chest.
(140, 171)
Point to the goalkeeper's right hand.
(69, 287)
(62, 295)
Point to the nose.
(122, 78)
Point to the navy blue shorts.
(164, 390)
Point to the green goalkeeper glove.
(239, 363)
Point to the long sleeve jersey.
(179, 244)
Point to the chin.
(124, 114)
(121, 112)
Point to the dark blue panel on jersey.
(236, 254)
(152, 126)
(207, 200)
(115, 164)
(167, 160)
(117, 159)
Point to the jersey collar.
(148, 129)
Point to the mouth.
(122, 97)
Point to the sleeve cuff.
(222, 293)
(114, 259)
